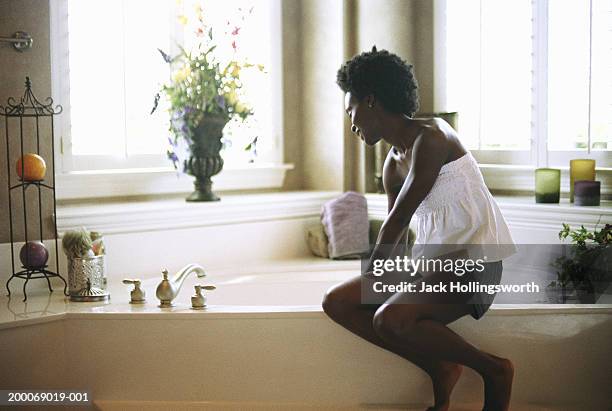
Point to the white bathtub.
(287, 285)
(264, 342)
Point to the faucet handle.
(165, 273)
(204, 287)
(198, 301)
(137, 294)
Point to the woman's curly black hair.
(385, 75)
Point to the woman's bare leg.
(342, 304)
(419, 320)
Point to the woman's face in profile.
(361, 117)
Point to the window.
(108, 69)
(531, 79)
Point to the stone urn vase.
(204, 160)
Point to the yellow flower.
(182, 20)
(231, 98)
(182, 74)
(240, 108)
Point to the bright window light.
(489, 76)
(115, 71)
(503, 94)
(568, 74)
(601, 77)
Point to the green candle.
(581, 169)
(548, 185)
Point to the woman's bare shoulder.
(438, 136)
(442, 127)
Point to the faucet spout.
(167, 290)
(183, 273)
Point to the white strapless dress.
(460, 213)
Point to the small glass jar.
(547, 185)
(580, 169)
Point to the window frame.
(538, 154)
(145, 176)
(513, 170)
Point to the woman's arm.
(429, 153)
(392, 184)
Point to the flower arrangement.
(202, 84)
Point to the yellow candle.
(581, 169)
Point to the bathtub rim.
(184, 312)
(61, 309)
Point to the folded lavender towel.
(345, 220)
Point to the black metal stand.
(30, 108)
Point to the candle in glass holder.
(547, 185)
(587, 193)
(581, 169)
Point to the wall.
(322, 115)
(292, 93)
(333, 32)
(424, 53)
(31, 16)
(389, 25)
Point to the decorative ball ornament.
(33, 167)
(33, 255)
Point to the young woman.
(429, 175)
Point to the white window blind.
(112, 69)
(580, 74)
(531, 79)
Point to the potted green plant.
(587, 265)
(203, 95)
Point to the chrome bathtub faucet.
(137, 295)
(167, 290)
(198, 301)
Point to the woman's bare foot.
(443, 383)
(498, 386)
